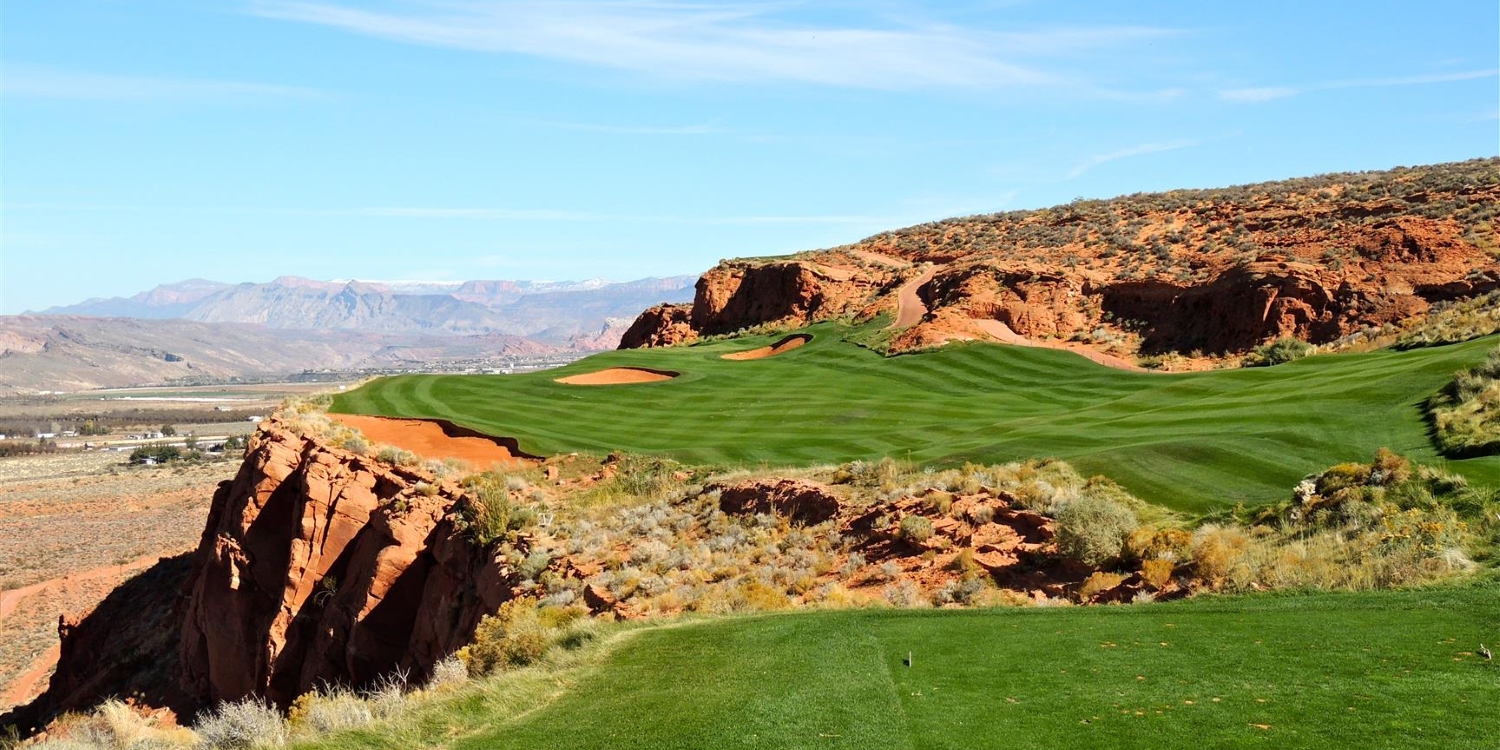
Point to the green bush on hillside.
(521, 633)
(1466, 414)
(1277, 352)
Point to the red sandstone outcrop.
(803, 502)
(1215, 272)
(741, 294)
(322, 566)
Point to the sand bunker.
(619, 376)
(436, 439)
(785, 345)
(1003, 333)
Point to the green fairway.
(1191, 441)
(1393, 669)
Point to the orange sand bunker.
(619, 376)
(1003, 333)
(435, 440)
(785, 345)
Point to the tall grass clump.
(249, 724)
(1355, 526)
(1466, 414)
(112, 726)
(522, 633)
(490, 514)
(1454, 322)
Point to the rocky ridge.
(1202, 273)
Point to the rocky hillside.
(325, 565)
(1201, 273)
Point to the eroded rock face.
(1212, 272)
(803, 502)
(662, 325)
(321, 566)
(737, 295)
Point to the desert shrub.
(965, 591)
(904, 594)
(449, 672)
(1217, 551)
(354, 443)
(1454, 322)
(250, 724)
(488, 515)
(397, 457)
(1150, 543)
(1466, 414)
(980, 515)
(1157, 572)
(885, 474)
(1277, 352)
(1098, 582)
(111, 726)
(512, 637)
(328, 710)
(534, 565)
(916, 529)
(1092, 529)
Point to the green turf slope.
(1189, 441)
(1371, 670)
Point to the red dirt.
(882, 259)
(785, 345)
(618, 376)
(429, 440)
(23, 687)
(9, 600)
(909, 306)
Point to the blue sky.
(147, 141)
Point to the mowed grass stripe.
(1193, 441)
(1392, 669)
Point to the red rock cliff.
(1211, 271)
(321, 566)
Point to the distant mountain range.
(555, 313)
(201, 330)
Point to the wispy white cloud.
(1269, 93)
(736, 41)
(21, 80)
(1126, 153)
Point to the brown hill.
(1202, 273)
(68, 353)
